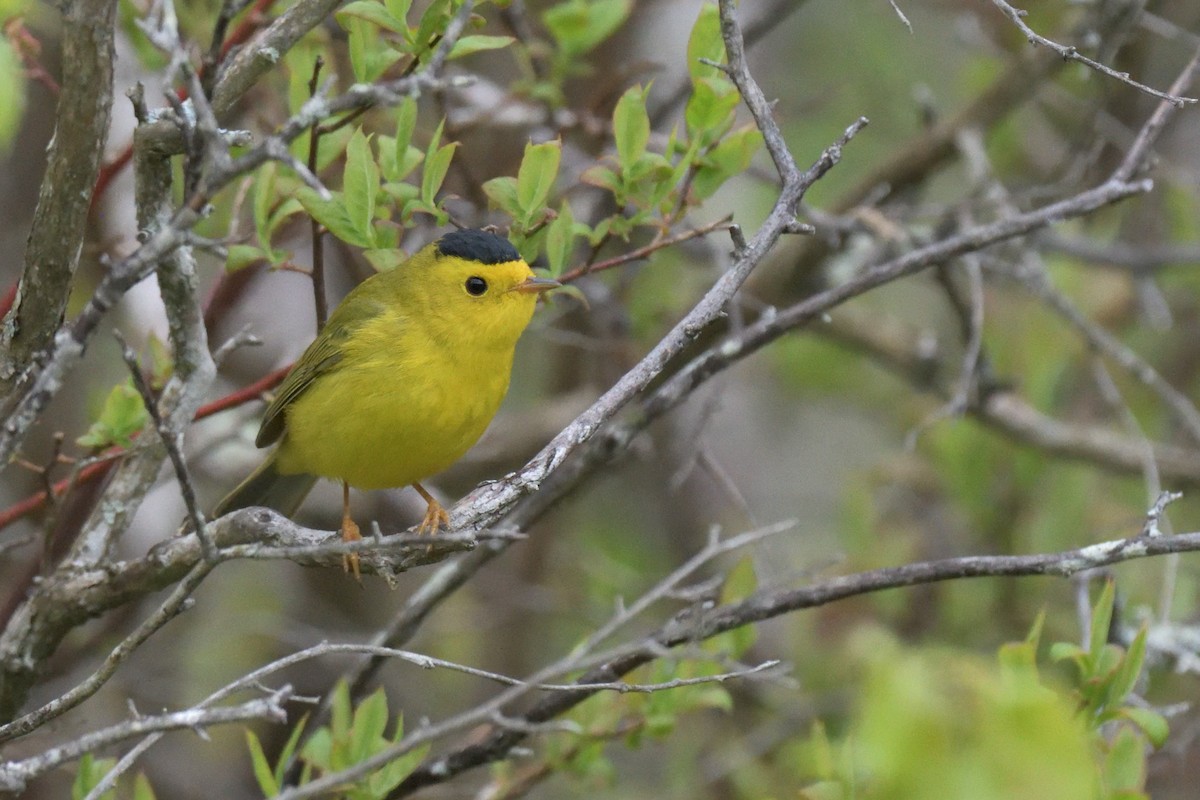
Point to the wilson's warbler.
(401, 382)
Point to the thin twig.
(173, 442)
(15, 774)
(170, 608)
(1070, 53)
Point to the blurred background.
(836, 427)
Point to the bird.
(401, 381)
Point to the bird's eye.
(476, 286)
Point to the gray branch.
(15, 774)
(60, 220)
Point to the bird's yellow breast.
(399, 406)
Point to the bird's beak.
(535, 285)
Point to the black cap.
(477, 245)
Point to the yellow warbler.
(403, 379)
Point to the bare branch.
(499, 742)
(1070, 53)
(15, 774)
(59, 221)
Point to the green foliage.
(352, 736)
(12, 87)
(524, 199)
(933, 724)
(658, 188)
(739, 584)
(92, 770)
(1107, 674)
(578, 27)
(122, 416)
(631, 717)
(380, 35)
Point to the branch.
(705, 624)
(59, 221)
(15, 774)
(70, 596)
(1070, 53)
(1004, 411)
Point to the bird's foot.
(350, 533)
(436, 518)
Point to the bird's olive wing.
(321, 357)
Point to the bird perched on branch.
(402, 380)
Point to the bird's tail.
(267, 486)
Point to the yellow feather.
(405, 377)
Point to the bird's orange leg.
(435, 516)
(350, 533)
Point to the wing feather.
(321, 358)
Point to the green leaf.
(285, 210)
(1101, 620)
(91, 771)
(240, 256)
(1153, 724)
(373, 12)
(432, 23)
(535, 178)
(370, 720)
(122, 415)
(388, 777)
(332, 214)
(631, 127)
(705, 42)
(12, 89)
(502, 192)
(1066, 651)
(397, 157)
(478, 43)
(577, 26)
(142, 790)
(1019, 659)
(332, 146)
(730, 157)
(1125, 764)
(560, 239)
(710, 109)
(340, 715)
(360, 184)
(289, 748)
(370, 55)
(603, 177)
(398, 8)
(401, 193)
(262, 768)
(437, 164)
(1130, 669)
(162, 364)
(264, 198)
(318, 750)
(385, 260)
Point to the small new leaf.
(333, 215)
(502, 192)
(469, 45)
(580, 25)
(437, 164)
(535, 178)
(122, 416)
(360, 184)
(262, 768)
(705, 42)
(373, 12)
(631, 127)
